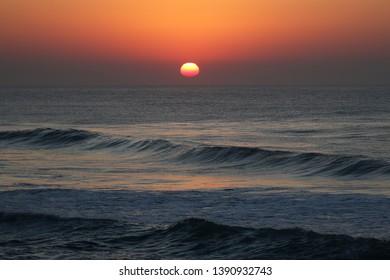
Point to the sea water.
(195, 173)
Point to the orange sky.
(138, 33)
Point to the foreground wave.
(218, 156)
(38, 236)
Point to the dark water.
(195, 173)
(189, 239)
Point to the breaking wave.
(247, 158)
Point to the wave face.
(244, 158)
(37, 236)
(303, 163)
(47, 137)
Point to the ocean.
(195, 173)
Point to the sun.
(189, 69)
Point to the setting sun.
(242, 42)
(189, 69)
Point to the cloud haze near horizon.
(235, 42)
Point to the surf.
(197, 154)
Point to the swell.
(243, 158)
(26, 218)
(47, 137)
(191, 238)
(300, 163)
(36, 221)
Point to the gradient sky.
(235, 42)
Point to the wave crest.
(192, 238)
(220, 157)
(47, 136)
(292, 162)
